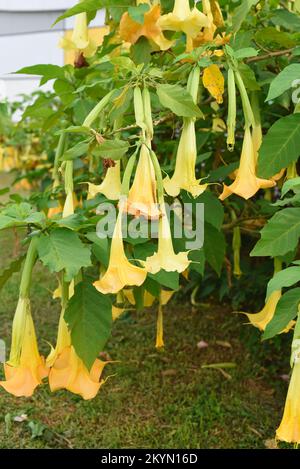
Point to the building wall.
(26, 38)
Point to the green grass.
(155, 399)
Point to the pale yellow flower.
(184, 175)
(110, 186)
(142, 198)
(120, 271)
(289, 429)
(246, 183)
(26, 368)
(80, 40)
(165, 258)
(190, 22)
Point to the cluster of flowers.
(26, 368)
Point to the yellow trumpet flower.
(165, 258)
(80, 40)
(110, 186)
(142, 195)
(120, 271)
(68, 370)
(26, 368)
(289, 428)
(261, 319)
(246, 183)
(184, 174)
(131, 31)
(190, 22)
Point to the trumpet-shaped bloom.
(190, 22)
(142, 195)
(26, 368)
(120, 271)
(131, 31)
(80, 40)
(184, 174)
(289, 429)
(263, 317)
(110, 186)
(246, 183)
(68, 371)
(165, 258)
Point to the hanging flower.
(142, 195)
(80, 40)
(25, 369)
(110, 186)
(289, 428)
(68, 371)
(131, 31)
(246, 183)
(165, 258)
(263, 317)
(120, 271)
(190, 22)
(184, 174)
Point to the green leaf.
(141, 51)
(241, 12)
(286, 19)
(284, 278)
(47, 71)
(100, 247)
(61, 250)
(271, 37)
(286, 311)
(72, 222)
(78, 150)
(291, 184)
(112, 149)
(177, 99)
(167, 279)
(90, 6)
(13, 267)
(137, 13)
(283, 81)
(89, 318)
(280, 146)
(280, 235)
(214, 247)
(245, 52)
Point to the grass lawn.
(156, 399)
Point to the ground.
(154, 399)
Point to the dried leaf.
(213, 81)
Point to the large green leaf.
(280, 235)
(283, 81)
(77, 150)
(214, 247)
(89, 317)
(286, 311)
(280, 146)
(177, 99)
(241, 12)
(284, 278)
(61, 250)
